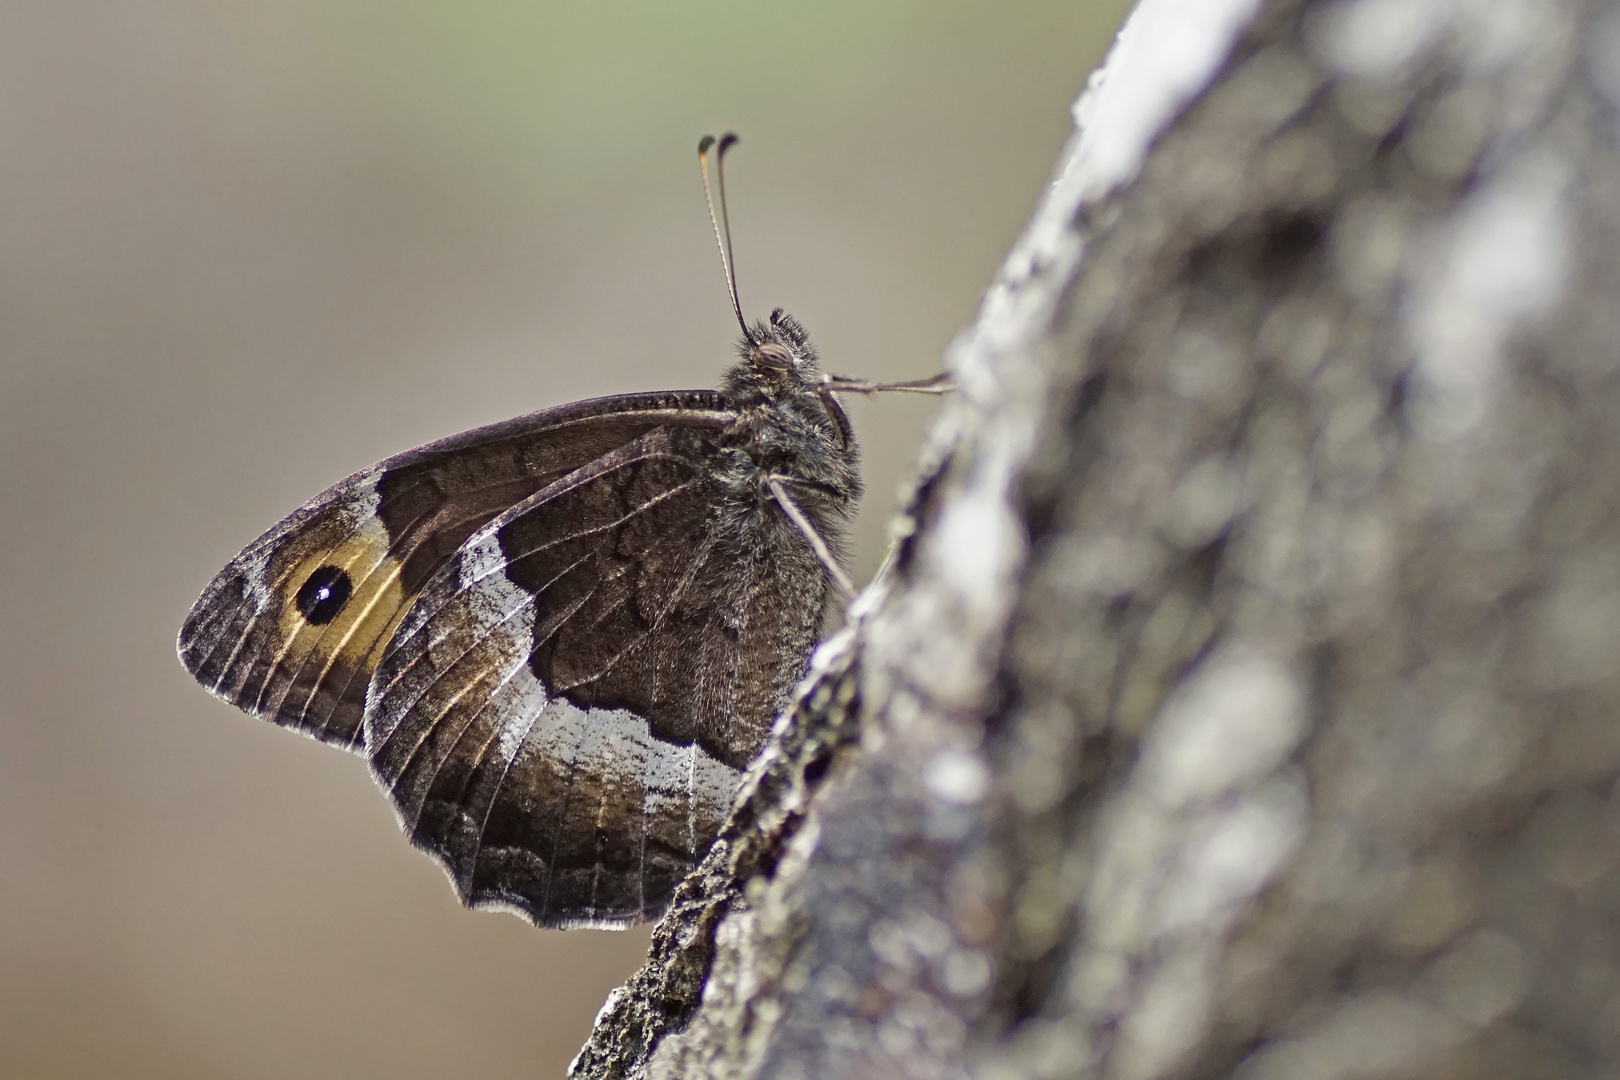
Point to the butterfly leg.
(808, 528)
(935, 384)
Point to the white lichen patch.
(1499, 265)
(1213, 812)
(1170, 1015)
(1377, 39)
(1233, 721)
(1166, 54)
(1203, 502)
(1232, 854)
(957, 777)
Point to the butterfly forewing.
(386, 529)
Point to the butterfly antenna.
(722, 222)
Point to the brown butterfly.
(560, 639)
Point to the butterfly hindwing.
(563, 717)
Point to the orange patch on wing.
(355, 639)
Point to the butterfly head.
(780, 346)
(780, 370)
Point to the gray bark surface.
(1243, 700)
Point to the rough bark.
(1243, 699)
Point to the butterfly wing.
(563, 716)
(293, 627)
(559, 639)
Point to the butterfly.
(559, 640)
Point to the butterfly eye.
(771, 354)
(323, 595)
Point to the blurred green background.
(247, 248)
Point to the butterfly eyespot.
(323, 595)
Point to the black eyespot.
(323, 595)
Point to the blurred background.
(248, 248)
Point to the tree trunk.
(1243, 698)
